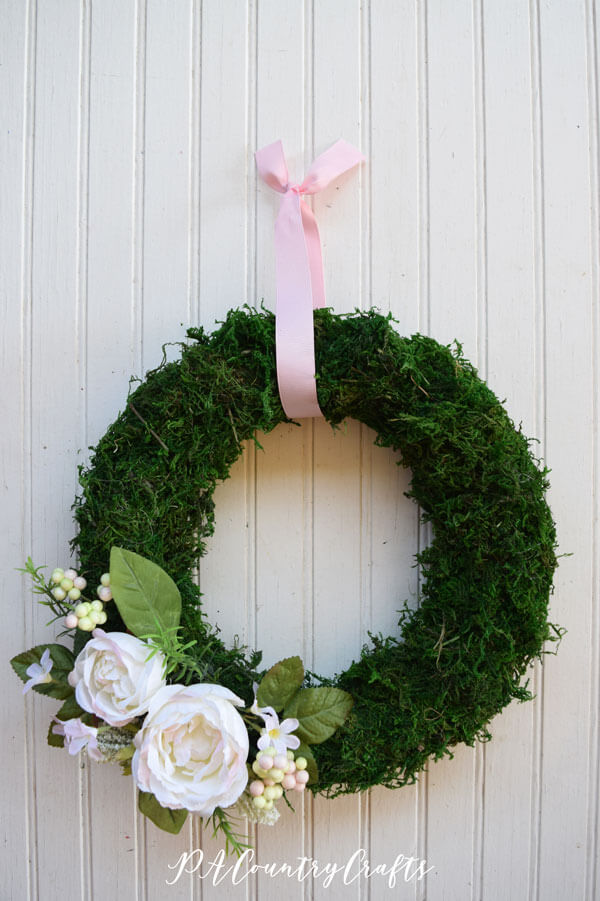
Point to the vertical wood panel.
(565, 132)
(394, 235)
(339, 558)
(110, 355)
(165, 308)
(17, 47)
(284, 471)
(592, 853)
(58, 787)
(509, 160)
(452, 314)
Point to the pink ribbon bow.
(299, 270)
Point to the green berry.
(85, 624)
(260, 801)
(59, 593)
(82, 609)
(276, 775)
(270, 792)
(105, 579)
(67, 584)
(74, 594)
(98, 606)
(290, 755)
(57, 576)
(301, 763)
(94, 616)
(102, 617)
(268, 804)
(270, 751)
(259, 772)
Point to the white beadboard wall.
(130, 208)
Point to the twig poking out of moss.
(461, 656)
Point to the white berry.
(70, 574)
(71, 621)
(104, 593)
(80, 583)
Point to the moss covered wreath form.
(459, 658)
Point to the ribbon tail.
(315, 258)
(294, 327)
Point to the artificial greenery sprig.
(43, 587)
(227, 826)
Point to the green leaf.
(62, 664)
(312, 769)
(320, 711)
(280, 684)
(163, 817)
(70, 710)
(143, 592)
(54, 740)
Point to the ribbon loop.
(299, 270)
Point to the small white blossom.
(39, 673)
(78, 736)
(278, 735)
(275, 734)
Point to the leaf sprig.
(42, 587)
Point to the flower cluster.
(187, 746)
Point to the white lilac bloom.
(39, 673)
(78, 736)
(278, 735)
(192, 749)
(116, 675)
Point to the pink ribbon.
(299, 270)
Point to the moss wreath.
(460, 657)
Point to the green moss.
(457, 660)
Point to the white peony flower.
(192, 749)
(115, 678)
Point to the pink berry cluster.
(85, 615)
(276, 773)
